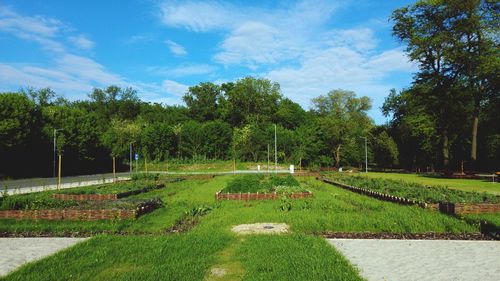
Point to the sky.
(160, 48)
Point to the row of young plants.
(263, 183)
(414, 191)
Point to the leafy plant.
(198, 211)
(285, 204)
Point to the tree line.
(234, 120)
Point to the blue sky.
(163, 47)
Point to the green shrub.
(198, 211)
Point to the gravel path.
(422, 259)
(15, 252)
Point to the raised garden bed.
(87, 211)
(414, 191)
(260, 187)
(460, 202)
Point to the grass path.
(460, 184)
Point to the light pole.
(55, 148)
(275, 152)
(268, 158)
(130, 161)
(366, 154)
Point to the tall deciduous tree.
(343, 118)
(202, 101)
(455, 44)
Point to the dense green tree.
(192, 139)
(217, 139)
(342, 119)
(17, 117)
(158, 140)
(308, 144)
(290, 114)
(384, 148)
(202, 101)
(250, 100)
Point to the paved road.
(422, 259)
(15, 252)
(40, 184)
(31, 182)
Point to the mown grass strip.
(292, 257)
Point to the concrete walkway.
(422, 259)
(15, 252)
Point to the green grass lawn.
(485, 185)
(156, 255)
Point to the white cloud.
(175, 88)
(361, 39)
(252, 43)
(139, 38)
(37, 25)
(82, 42)
(255, 36)
(184, 70)
(199, 16)
(42, 30)
(175, 48)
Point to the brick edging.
(259, 196)
(62, 214)
(83, 197)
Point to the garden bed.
(85, 210)
(260, 187)
(414, 191)
(489, 204)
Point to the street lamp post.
(130, 161)
(366, 154)
(275, 151)
(55, 148)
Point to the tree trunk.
(446, 150)
(475, 124)
(337, 156)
